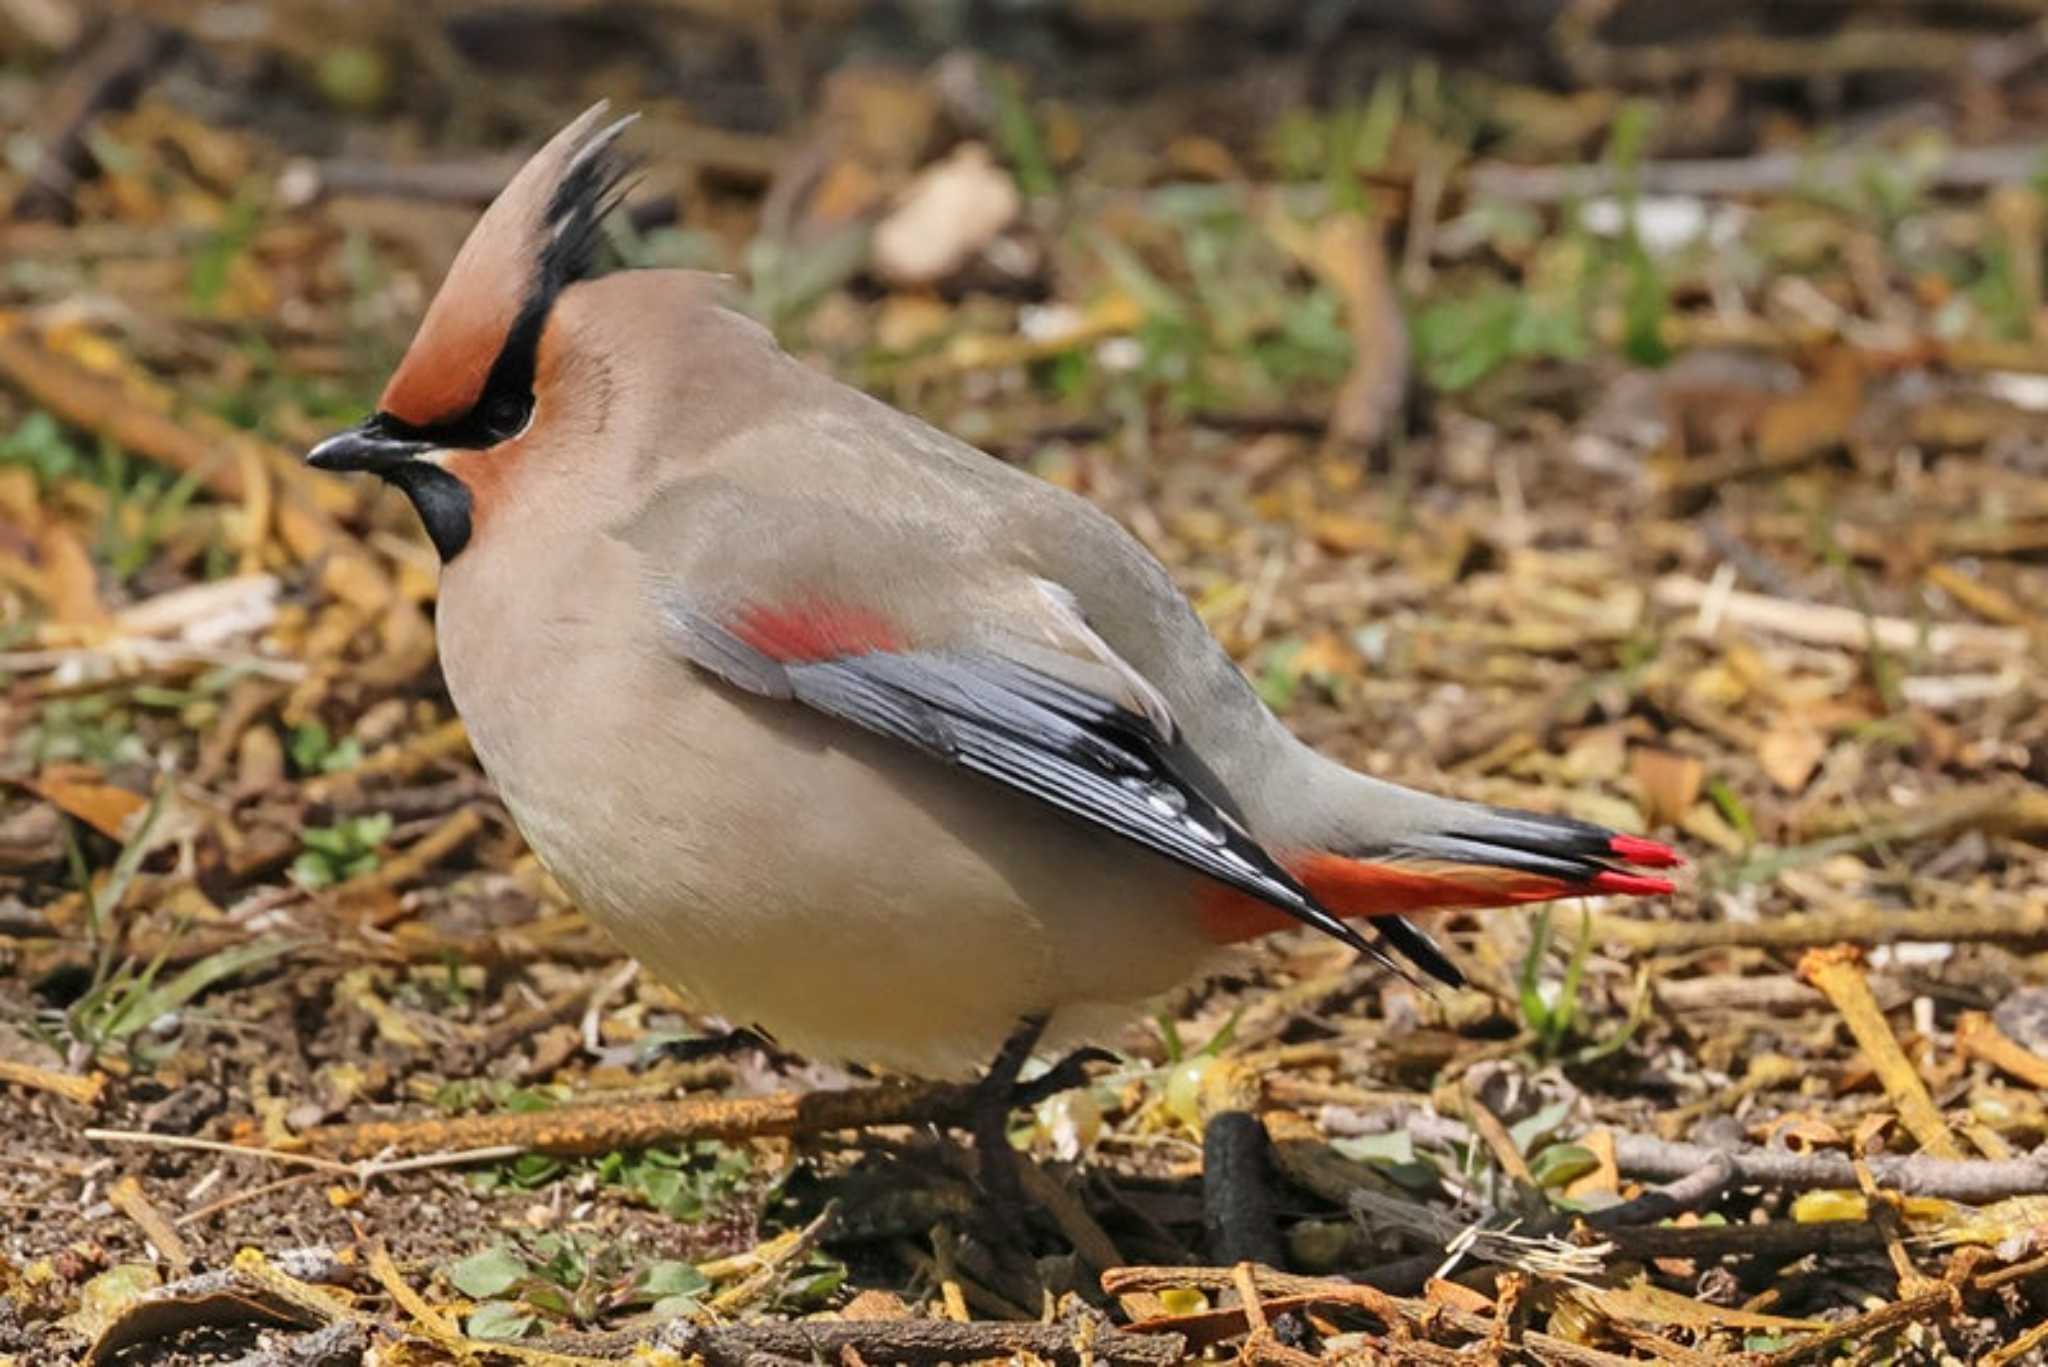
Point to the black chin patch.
(441, 500)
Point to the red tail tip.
(1631, 884)
(1649, 853)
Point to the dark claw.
(1069, 1073)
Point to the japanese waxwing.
(841, 726)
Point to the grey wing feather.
(1037, 734)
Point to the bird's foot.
(1069, 1073)
(738, 1039)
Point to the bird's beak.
(368, 446)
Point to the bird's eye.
(505, 415)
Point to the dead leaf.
(1348, 534)
(1603, 1180)
(1646, 1304)
(80, 792)
(1348, 254)
(1456, 1296)
(908, 321)
(1801, 1133)
(70, 584)
(1595, 755)
(1668, 782)
(1202, 158)
(1789, 753)
(1818, 418)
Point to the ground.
(1658, 440)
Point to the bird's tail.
(1439, 854)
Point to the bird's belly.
(858, 901)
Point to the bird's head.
(476, 377)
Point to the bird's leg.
(990, 1123)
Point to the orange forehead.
(444, 369)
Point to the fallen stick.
(128, 1197)
(1941, 1302)
(1395, 1312)
(585, 1131)
(2000, 808)
(1980, 1038)
(1838, 975)
(1973, 1181)
(1827, 625)
(72, 1087)
(1777, 1239)
(399, 760)
(2023, 924)
(920, 1342)
(1731, 177)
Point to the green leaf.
(1645, 305)
(372, 830)
(492, 1272)
(670, 1307)
(820, 1278)
(499, 1320)
(1017, 135)
(1394, 1146)
(1562, 1164)
(1535, 1010)
(1459, 342)
(1393, 1153)
(1526, 1131)
(669, 1278)
(311, 871)
(149, 1005)
(1731, 807)
(38, 442)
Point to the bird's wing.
(1040, 705)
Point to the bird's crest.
(539, 236)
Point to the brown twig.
(1970, 1180)
(1978, 1037)
(1734, 177)
(1940, 1302)
(596, 1129)
(1397, 1313)
(131, 1200)
(921, 1342)
(72, 1087)
(1838, 974)
(2022, 923)
(775, 1264)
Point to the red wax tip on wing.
(1631, 884)
(803, 633)
(1650, 853)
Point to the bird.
(851, 732)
